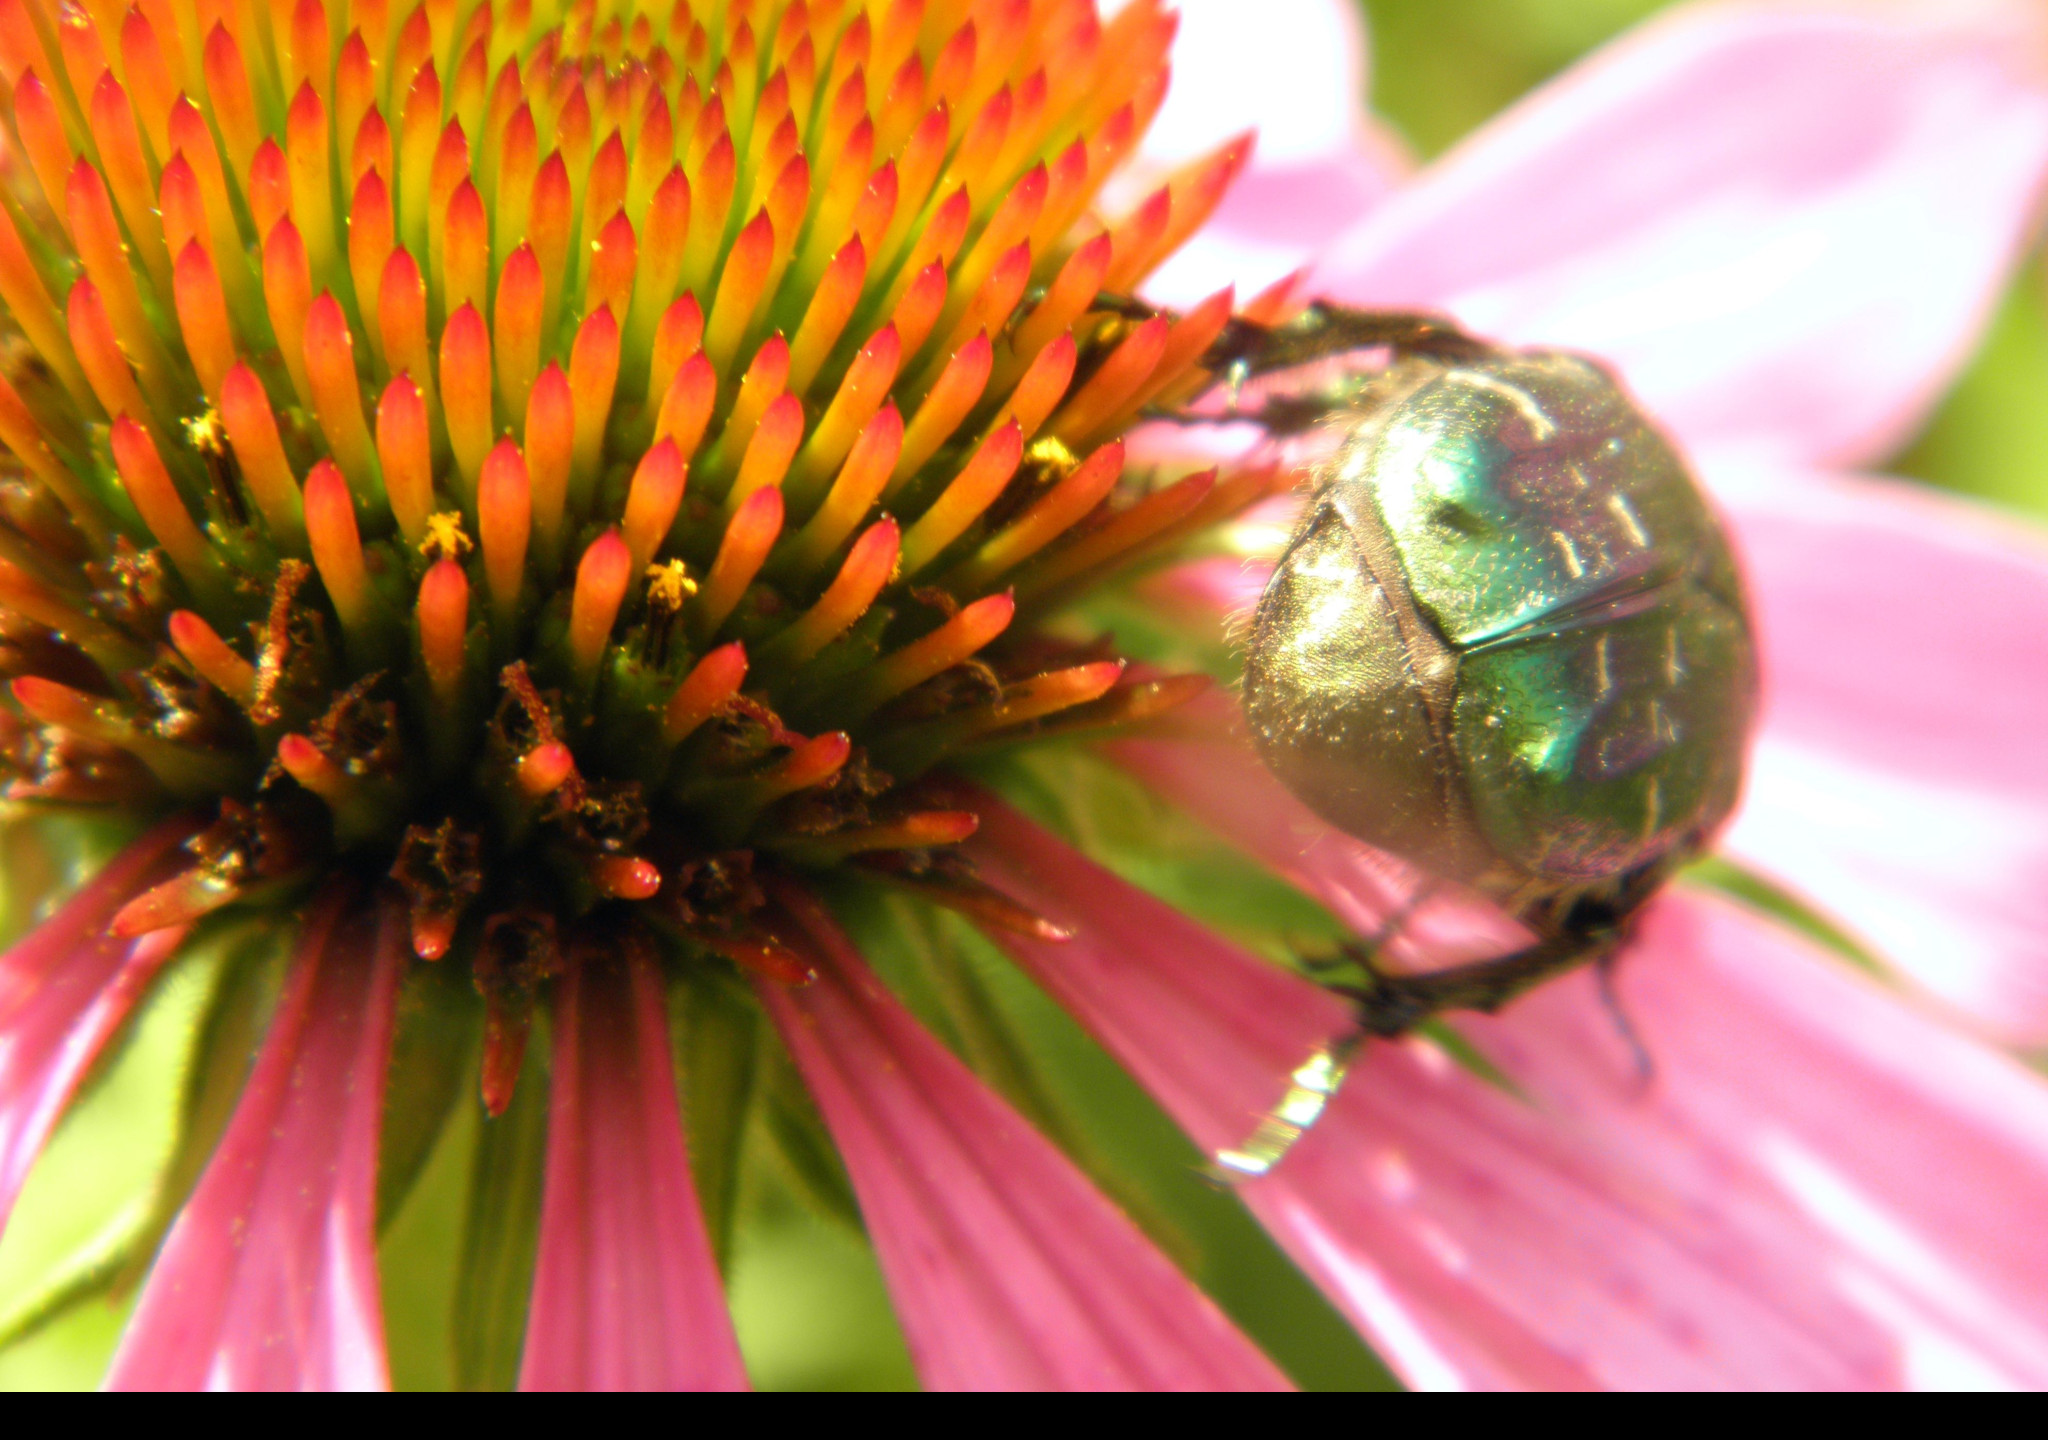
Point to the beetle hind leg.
(1393, 1005)
(1574, 930)
(1311, 1088)
(1360, 955)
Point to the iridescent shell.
(1508, 640)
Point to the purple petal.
(1901, 778)
(268, 1280)
(1785, 225)
(1481, 1240)
(65, 988)
(626, 1295)
(1008, 1268)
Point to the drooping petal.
(1900, 781)
(1008, 1269)
(268, 1280)
(1297, 77)
(1784, 224)
(626, 1295)
(1483, 1239)
(65, 988)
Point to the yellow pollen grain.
(445, 537)
(1051, 457)
(206, 434)
(669, 585)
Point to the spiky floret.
(569, 458)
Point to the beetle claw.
(1610, 1000)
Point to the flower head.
(539, 488)
(545, 525)
(542, 506)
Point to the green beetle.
(1506, 642)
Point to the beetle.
(1507, 641)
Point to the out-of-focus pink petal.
(1901, 776)
(1297, 75)
(1919, 1157)
(1784, 224)
(65, 988)
(1228, 586)
(268, 1280)
(626, 1295)
(1008, 1269)
(1483, 1240)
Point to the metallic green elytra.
(1508, 641)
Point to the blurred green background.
(807, 1297)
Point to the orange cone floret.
(569, 457)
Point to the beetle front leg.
(1323, 330)
(1320, 331)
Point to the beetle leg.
(1310, 1089)
(1234, 377)
(1358, 954)
(1318, 965)
(1128, 306)
(1320, 331)
(1323, 331)
(1362, 952)
(1396, 1004)
(1392, 1005)
(1610, 999)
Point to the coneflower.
(612, 543)
(525, 491)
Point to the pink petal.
(1919, 1157)
(1901, 779)
(65, 988)
(1786, 226)
(626, 1295)
(1008, 1269)
(1483, 1240)
(1297, 75)
(268, 1281)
